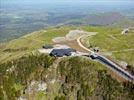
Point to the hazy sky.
(67, 0)
(95, 2)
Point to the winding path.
(110, 64)
(81, 45)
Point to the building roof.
(62, 52)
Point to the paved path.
(110, 64)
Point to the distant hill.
(12, 26)
(103, 19)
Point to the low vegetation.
(16, 75)
(21, 46)
(86, 80)
(75, 78)
(68, 78)
(110, 40)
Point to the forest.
(80, 79)
(15, 75)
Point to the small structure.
(93, 56)
(62, 52)
(125, 31)
(124, 64)
(47, 46)
(96, 49)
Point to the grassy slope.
(108, 39)
(126, 22)
(31, 42)
(37, 39)
(82, 75)
(111, 39)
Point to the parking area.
(59, 50)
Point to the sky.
(94, 2)
(67, 0)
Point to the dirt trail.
(71, 39)
(72, 35)
(73, 44)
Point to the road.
(81, 45)
(110, 64)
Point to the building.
(124, 64)
(125, 31)
(47, 46)
(93, 56)
(96, 49)
(62, 52)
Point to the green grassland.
(21, 46)
(108, 39)
(75, 76)
(112, 41)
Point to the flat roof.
(62, 52)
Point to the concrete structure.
(122, 72)
(124, 64)
(47, 46)
(125, 31)
(110, 64)
(62, 52)
(49, 50)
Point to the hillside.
(107, 36)
(116, 46)
(15, 25)
(29, 43)
(103, 19)
(66, 49)
(38, 77)
(27, 74)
